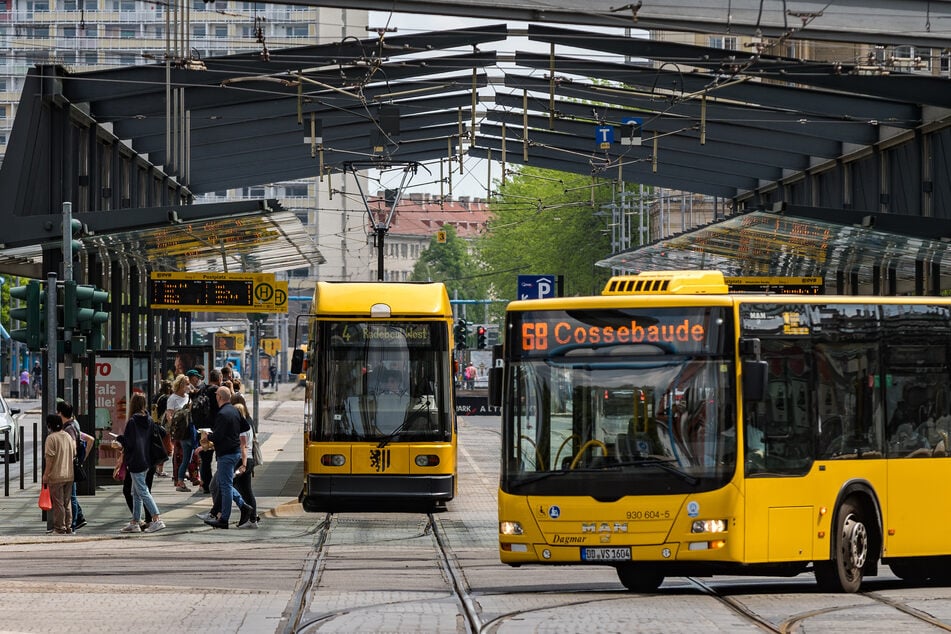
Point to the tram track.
(303, 613)
(797, 622)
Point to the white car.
(11, 451)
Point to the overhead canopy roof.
(709, 123)
(801, 242)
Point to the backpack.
(201, 410)
(181, 423)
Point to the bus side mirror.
(297, 361)
(755, 374)
(495, 387)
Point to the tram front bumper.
(327, 487)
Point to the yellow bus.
(672, 427)
(381, 425)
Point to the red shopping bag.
(45, 502)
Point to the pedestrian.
(71, 427)
(242, 481)
(24, 384)
(159, 407)
(59, 451)
(37, 379)
(208, 451)
(196, 380)
(185, 445)
(273, 372)
(232, 457)
(470, 374)
(135, 447)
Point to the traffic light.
(461, 332)
(481, 337)
(90, 314)
(76, 230)
(33, 315)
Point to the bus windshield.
(382, 382)
(608, 421)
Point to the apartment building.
(87, 35)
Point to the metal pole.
(255, 363)
(67, 277)
(49, 382)
(6, 462)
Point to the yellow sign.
(229, 341)
(271, 346)
(441, 237)
(217, 292)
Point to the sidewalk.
(275, 484)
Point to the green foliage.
(452, 264)
(544, 222)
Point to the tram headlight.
(510, 528)
(427, 460)
(709, 526)
(333, 460)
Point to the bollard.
(34, 452)
(21, 454)
(6, 463)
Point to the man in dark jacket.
(206, 455)
(232, 457)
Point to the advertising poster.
(113, 386)
(181, 359)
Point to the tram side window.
(849, 422)
(778, 432)
(918, 401)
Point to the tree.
(451, 263)
(544, 222)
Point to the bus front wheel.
(850, 550)
(640, 577)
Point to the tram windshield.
(382, 382)
(625, 418)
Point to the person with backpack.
(204, 409)
(179, 425)
(159, 407)
(135, 442)
(83, 442)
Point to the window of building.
(127, 34)
(725, 42)
(127, 5)
(38, 5)
(69, 57)
(221, 30)
(198, 30)
(41, 30)
(91, 30)
(127, 59)
(295, 191)
(69, 31)
(69, 5)
(297, 30)
(90, 5)
(91, 58)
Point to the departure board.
(211, 292)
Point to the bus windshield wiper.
(663, 463)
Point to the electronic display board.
(216, 292)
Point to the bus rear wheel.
(640, 577)
(850, 550)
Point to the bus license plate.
(605, 554)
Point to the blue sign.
(604, 136)
(536, 286)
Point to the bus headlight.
(709, 526)
(510, 528)
(427, 460)
(333, 460)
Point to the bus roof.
(403, 299)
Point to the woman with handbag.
(136, 444)
(59, 450)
